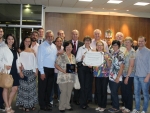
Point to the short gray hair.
(49, 31)
(98, 31)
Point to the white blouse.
(81, 51)
(28, 60)
(6, 57)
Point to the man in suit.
(76, 44)
(2, 43)
(61, 34)
(41, 35)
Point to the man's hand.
(146, 79)
(43, 76)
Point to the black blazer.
(79, 45)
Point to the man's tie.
(74, 48)
(40, 41)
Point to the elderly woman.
(65, 80)
(128, 76)
(85, 73)
(101, 74)
(115, 76)
(8, 58)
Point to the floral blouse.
(103, 69)
(117, 60)
(62, 60)
(128, 55)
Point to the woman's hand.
(96, 69)
(8, 67)
(117, 80)
(82, 57)
(126, 80)
(64, 71)
(21, 75)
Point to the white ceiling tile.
(69, 3)
(56, 3)
(42, 2)
(27, 1)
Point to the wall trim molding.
(96, 12)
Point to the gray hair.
(49, 31)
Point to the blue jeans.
(138, 85)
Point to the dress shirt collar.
(85, 47)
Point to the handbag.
(6, 80)
(76, 83)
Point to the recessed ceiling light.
(91, 7)
(142, 3)
(103, 8)
(86, 0)
(127, 10)
(115, 9)
(114, 1)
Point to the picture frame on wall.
(108, 33)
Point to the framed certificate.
(93, 58)
(70, 68)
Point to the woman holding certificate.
(101, 74)
(65, 64)
(85, 73)
(115, 76)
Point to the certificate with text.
(93, 58)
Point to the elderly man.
(76, 44)
(41, 35)
(2, 43)
(34, 38)
(120, 37)
(47, 53)
(142, 75)
(97, 37)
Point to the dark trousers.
(91, 87)
(1, 97)
(101, 88)
(114, 87)
(45, 87)
(76, 94)
(127, 94)
(85, 75)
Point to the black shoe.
(70, 109)
(84, 107)
(62, 110)
(45, 109)
(2, 108)
(77, 102)
(89, 101)
(50, 105)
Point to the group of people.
(46, 57)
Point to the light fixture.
(142, 3)
(114, 1)
(91, 7)
(127, 10)
(86, 0)
(115, 9)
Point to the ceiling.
(96, 4)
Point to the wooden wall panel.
(86, 23)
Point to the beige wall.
(86, 23)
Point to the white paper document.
(93, 58)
